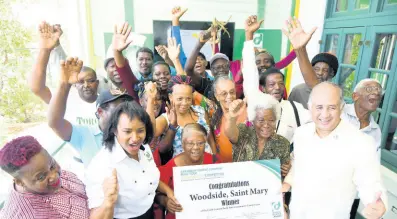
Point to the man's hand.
(161, 50)
(236, 108)
(49, 35)
(111, 189)
(376, 209)
(252, 24)
(296, 35)
(285, 168)
(173, 49)
(120, 37)
(173, 205)
(206, 35)
(70, 70)
(177, 13)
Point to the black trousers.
(148, 215)
(353, 211)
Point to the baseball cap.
(106, 63)
(218, 56)
(108, 96)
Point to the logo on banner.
(276, 209)
(258, 40)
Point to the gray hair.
(342, 101)
(219, 79)
(363, 82)
(262, 101)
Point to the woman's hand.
(173, 205)
(111, 189)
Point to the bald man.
(333, 159)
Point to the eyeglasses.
(224, 93)
(192, 144)
(265, 122)
(373, 89)
(221, 67)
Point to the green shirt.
(246, 148)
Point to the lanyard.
(278, 123)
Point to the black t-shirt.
(204, 87)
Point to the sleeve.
(284, 146)
(129, 79)
(95, 175)
(176, 32)
(290, 176)
(292, 96)
(304, 115)
(250, 71)
(286, 61)
(239, 146)
(367, 176)
(76, 138)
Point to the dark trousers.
(353, 211)
(148, 215)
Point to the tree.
(17, 102)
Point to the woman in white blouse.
(122, 179)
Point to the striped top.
(69, 202)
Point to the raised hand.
(206, 35)
(70, 70)
(171, 114)
(376, 209)
(110, 188)
(252, 24)
(162, 51)
(120, 39)
(236, 108)
(177, 13)
(151, 90)
(49, 35)
(295, 33)
(173, 49)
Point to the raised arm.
(286, 60)
(173, 51)
(196, 79)
(231, 130)
(49, 39)
(120, 42)
(299, 39)
(70, 70)
(177, 13)
(151, 92)
(250, 71)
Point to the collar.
(150, 76)
(118, 154)
(338, 131)
(96, 130)
(351, 111)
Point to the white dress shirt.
(373, 129)
(326, 172)
(288, 125)
(137, 181)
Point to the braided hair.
(18, 152)
(179, 80)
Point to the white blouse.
(138, 181)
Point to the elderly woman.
(40, 189)
(126, 167)
(194, 137)
(225, 93)
(260, 140)
(181, 98)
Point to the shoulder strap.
(298, 122)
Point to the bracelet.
(173, 128)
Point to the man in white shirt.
(332, 159)
(366, 96)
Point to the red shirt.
(71, 202)
(166, 174)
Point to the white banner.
(231, 190)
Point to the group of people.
(174, 113)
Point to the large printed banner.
(230, 191)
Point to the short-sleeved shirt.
(137, 180)
(87, 141)
(246, 148)
(300, 94)
(69, 202)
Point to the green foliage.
(16, 100)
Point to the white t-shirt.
(79, 112)
(138, 180)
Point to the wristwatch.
(173, 128)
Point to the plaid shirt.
(71, 202)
